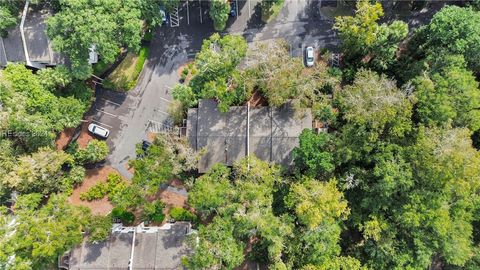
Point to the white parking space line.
(111, 114)
(200, 4)
(114, 103)
(168, 87)
(169, 101)
(249, 9)
(163, 112)
(188, 14)
(101, 124)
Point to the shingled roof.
(36, 50)
(154, 248)
(270, 133)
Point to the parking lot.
(131, 116)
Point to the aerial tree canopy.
(40, 233)
(453, 30)
(362, 36)
(107, 25)
(219, 12)
(449, 94)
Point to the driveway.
(130, 116)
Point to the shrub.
(94, 152)
(154, 211)
(76, 175)
(176, 110)
(181, 214)
(100, 190)
(99, 228)
(95, 193)
(142, 56)
(125, 216)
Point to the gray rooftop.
(273, 133)
(3, 56)
(38, 45)
(13, 45)
(154, 249)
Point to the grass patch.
(125, 76)
(271, 12)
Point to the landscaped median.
(125, 76)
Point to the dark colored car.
(145, 145)
(233, 8)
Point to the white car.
(309, 57)
(98, 130)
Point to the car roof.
(100, 130)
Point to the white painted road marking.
(111, 114)
(169, 101)
(114, 103)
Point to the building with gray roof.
(145, 248)
(270, 133)
(28, 43)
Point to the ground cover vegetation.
(395, 182)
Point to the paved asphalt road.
(129, 116)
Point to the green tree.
(362, 36)
(185, 95)
(316, 202)
(39, 172)
(42, 233)
(216, 76)
(53, 79)
(108, 25)
(279, 77)
(320, 208)
(35, 113)
(314, 155)
(95, 151)
(247, 205)
(217, 247)
(210, 191)
(449, 94)
(219, 10)
(7, 21)
(453, 30)
(99, 228)
(373, 110)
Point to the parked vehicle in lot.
(98, 130)
(233, 8)
(145, 145)
(309, 57)
(164, 15)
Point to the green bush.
(181, 214)
(125, 216)
(153, 211)
(95, 193)
(100, 190)
(148, 35)
(76, 176)
(142, 56)
(94, 152)
(99, 228)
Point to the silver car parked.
(309, 57)
(98, 130)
